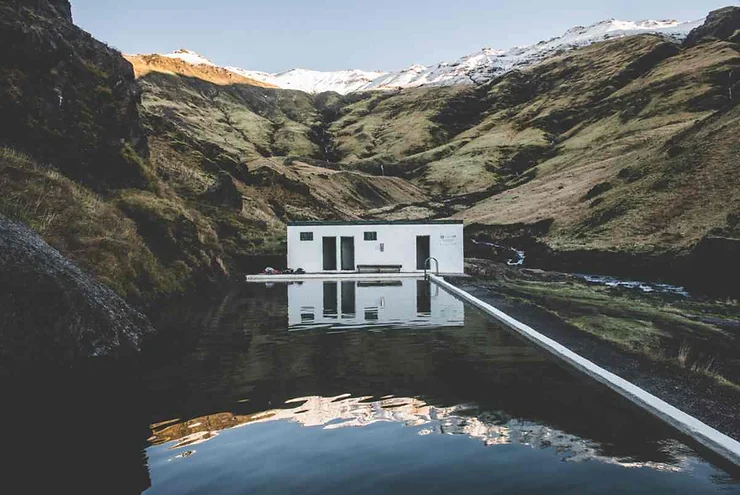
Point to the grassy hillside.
(626, 147)
(637, 163)
(79, 223)
(242, 120)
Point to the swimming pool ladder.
(428, 263)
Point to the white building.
(364, 304)
(368, 246)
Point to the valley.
(607, 148)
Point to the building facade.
(320, 247)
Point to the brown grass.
(144, 64)
(81, 225)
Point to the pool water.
(388, 387)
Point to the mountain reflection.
(489, 427)
(270, 375)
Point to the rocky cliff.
(720, 24)
(67, 98)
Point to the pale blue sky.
(332, 34)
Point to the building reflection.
(402, 303)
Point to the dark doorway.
(348, 299)
(423, 298)
(422, 251)
(330, 252)
(348, 253)
(330, 300)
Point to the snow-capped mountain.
(482, 66)
(475, 68)
(313, 81)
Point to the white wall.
(394, 305)
(398, 242)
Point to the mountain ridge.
(471, 69)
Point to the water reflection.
(488, 427)
(456, 401)
(341, 305)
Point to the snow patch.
(313, 81)
(480, 67)
(190, 57)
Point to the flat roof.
(374, 222)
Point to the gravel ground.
(700, 396)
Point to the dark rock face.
(63, 7)
(714, 265)
(720, 24)
(68, 99)
(50, 311)
(48, 8)
(225, 192)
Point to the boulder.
(53, 312)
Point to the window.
(307, 236)
(371, 236)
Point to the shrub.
(597, 190)
(631, 174)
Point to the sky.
(276, 35)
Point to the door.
(348, 253)
(422, 251)
(329, 247)
(349, 300)
(423, 298)
(330, 300)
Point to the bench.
(379, 268)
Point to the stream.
(518, 258)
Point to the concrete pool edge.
(293, 277)
(718, 443)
